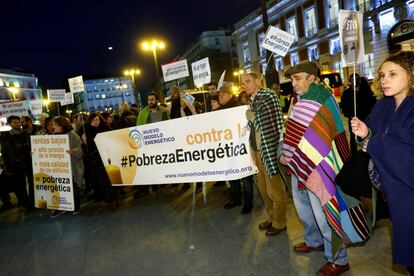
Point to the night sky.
(60, 39)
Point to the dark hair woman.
(62, 125)
(101, 186)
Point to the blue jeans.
(317, 230)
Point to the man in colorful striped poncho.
(314, 149)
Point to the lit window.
(279, 63)
(338, 67)
(368, 66)
(313, 53)
(410, 4)
(291, 27)
(103, 96)
(333, 7)
(364, 5)
(97, 96)
(294, 58)
(310, 22)
(335, 46)
(260, 39)
(387, 19)
(246, 52)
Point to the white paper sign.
(56, 95)
(211, 146)
(175, 70)
(221, 80)
(278, 41)
(14, 108)
(52, 172)
(201, 72)
(76, 84)
(350, 24)
(189, 98)
(68, 99)
(36, 106)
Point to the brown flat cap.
(303, 67)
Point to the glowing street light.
(154, 45)
(238, 74)
(14, 91)
(46, 104)
(132, 73)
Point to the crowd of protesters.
(311, 146)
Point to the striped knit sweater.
(268, 123)
(315, 148)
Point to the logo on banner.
(135, 139)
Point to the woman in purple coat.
(389, 140)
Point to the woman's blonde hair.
(405, 59)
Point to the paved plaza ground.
(152, 236)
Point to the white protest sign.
(36, 106)
(56, 95)
(68, 99)
(52, 172)
(201, 72)
(180, 150)
(175, 70)
(76, 84)
(350, 24)
(221, 80)
(19, 109)
(278, 41)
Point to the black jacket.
(15, 150)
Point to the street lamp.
(132, 73)
(14, 91)
(153, 45)
(46, 103)
(121, 87)
(238, 74)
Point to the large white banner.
(56, 95)
(52, 172)
(76, 84)
(14, 108)
(201, 72)
(175, 70)
(350, 24)
(278, 41)
(206, 147)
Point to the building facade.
(104, 94)
(315, 24)
(18, 86)
(219, 46)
